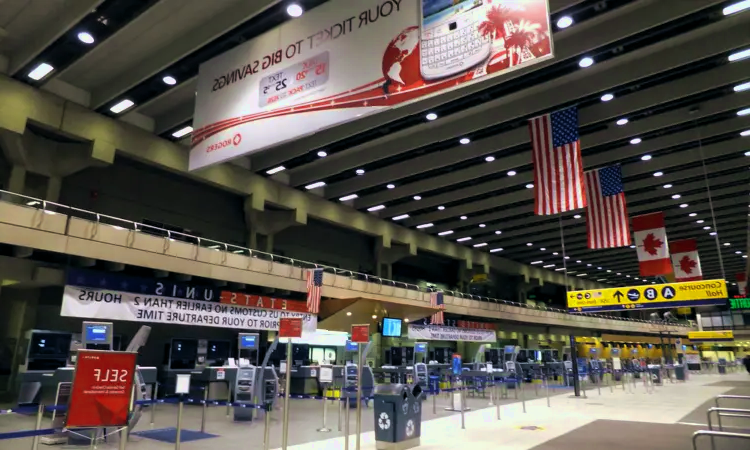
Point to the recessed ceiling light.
(599, 268)
(530, 186)
(667, 186)
(390, 186)
(693, 214)
(348, 313)
(744, 256)
(481, 225)
(441, 207)
(317, 184)
(700, 221)
(727, 244)
(122, 106)
(445, 233)
(360, 171)
(495, 250)
(743, 112)
(85, 37)
(622, 121)
(564, 22)
(40, 71)
(376, 208)
(182, 132)
(463, 239)
(586, 62)
(169, 80)
(738, 252)
(511, 173)
(713, 233)
(567, 257)
(489, 158)
(374, 316)
(536, 262)
(607, 97)
(417, 197)
(635, 141)
(275, 170)
(555, 253)
(481, 244)
(425, 225)
(464, 141)
(579, 261)
(646, 158)
(676, 196)
(745, 133)
(463, 217)
(742, 54)
(588, 265)
(349, 197)
(294, 10)
(548, 266)
(498, 232)
(742, 87)
(684, 205)
(529, 244)
(401, 217)
(322, 154)
(432, 116)
(609, 271)
(658, 174)
(736, 7)
(577, 216)
(706, 228)
(542, 249)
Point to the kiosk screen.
(249, 342)
(97, 333)
(351, 346)
(420, 347)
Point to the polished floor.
(607, 418)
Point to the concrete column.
(17, 180)
(17, 314)
(269, 243)
(54, 184)
(387, 253)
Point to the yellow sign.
(708, 336)
(670, 295)
(684, 311)
(479, 278)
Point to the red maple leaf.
(651, 244)
(687, 264)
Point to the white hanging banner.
(442, 333)
(117, 305)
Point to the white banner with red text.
(345, 59)
(91, 303)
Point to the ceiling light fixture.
(482, 244)
(693, 214)
(481, 225)
(555, 253)
(530, 186)
(745, 133)
(425, 225)
(498, 232)
(182, 132)
(727, 244)
(736, 7)
(585, 62)
(658, 174)
(317, 184)
(495, 250)
(463, 239)
(548, 266)
(684, 205)
(713, 233)
(463, 217)
(743, 112)
(607, 97)
(537, 262)
(401, 217)
(676, 196)
(86, 37)
(529, 244)
(706, 228)
(742, 54)
(464, 141)
(275, 170)
(441, 207)
(322, 154)
(294, 10)
(742, 87)
(122, 106)
(700, 221)
(376, 208)
(542, 249)
(417, 197)
(346, 198)
(579, 261)
(565, 22)
(622, 121)
(169, 80)
(489, 158)
(645, 157)
(40, 71)
(390, 186)
(431, 116)
(511, 173)
(577, 216)
(445, 233)
(667, 186)
(360, 171)
(635, 141)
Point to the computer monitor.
(351, 346)
(218, 351)
(391, 327)
(248, 341)
(420, 347)
(97, 335)
(183, 353)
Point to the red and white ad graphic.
(685, 261)
(650, 239)
(102, 389)
(346, 59)
(742, 283)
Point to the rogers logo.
(235, 140)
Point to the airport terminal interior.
(374, 224)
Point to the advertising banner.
(92, 303)
(345, 59)
(671, 295)
(102, 387)
(442, 333)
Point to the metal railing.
(47, 207)
(720, 434)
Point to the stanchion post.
(546, 388)
(463, 402)
(497, 404)
(179, 425)
(340, 406)
(267, 429)
(523, 395)
(599, 383)
(346, 423)
(583, 387)
(434, 402)
(285, 427)
(229, 399)
(359, 394)
(205, 407)
(324, 428)
(515, 391)
(123, 437)
(154, 393)
(38, 426)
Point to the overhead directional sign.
(711, 336)
(671, 295)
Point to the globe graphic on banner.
(401, 59)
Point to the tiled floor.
(517, 430)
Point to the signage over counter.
(345, 59)
(671, 295)
(443, 333)
(739, 303)
(100, 281)
(711, 336)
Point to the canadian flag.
(742, 283)
(685, 262)
(650, 239)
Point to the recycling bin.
(655, 374)
(679, 372)
(398, 416)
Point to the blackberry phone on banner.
(450, 41)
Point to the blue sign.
(249, 342)
(420, 347)
(456, 366)
(351, 346)
(509, 349)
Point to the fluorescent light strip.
(275, 170)
(376, 208)
(463, 239)
(315, 185)
(548, 266)
(445, 233)
(425, 225)
(742, 87)
(537, 262)
(122, 106)
(581, 274)
(401, 217)
(742, 54)
(495, 250)
(40, 71)
(480, 245)
(349, 197)
(182, 132)
(736, 7)
(560, 269)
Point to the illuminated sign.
(671, 295)
(739, 303)
(711, 336)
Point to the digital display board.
(391, 327)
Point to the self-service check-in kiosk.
(351, 378)
(420, 368)
(254, 384)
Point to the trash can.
(679, 372)
(398, 416)
(655, 374)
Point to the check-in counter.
(304, 381)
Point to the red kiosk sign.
(102, 389)
(290, 328)
(361, 334)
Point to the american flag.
(558, 168)
(607, 218)
(314, 288)
(436, 300)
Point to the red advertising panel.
(361, 334)
(102, 388)
(290, 328)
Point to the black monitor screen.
(218, 350)
(56, 345)
(391, 327)
(184, 349)
(522, 356)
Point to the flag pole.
(565, 264)
(711, 205)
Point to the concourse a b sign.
(671, 295)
